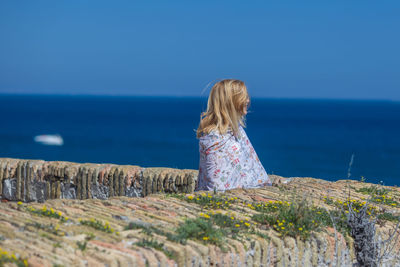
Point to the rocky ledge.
(299, 223)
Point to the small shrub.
(373, 190)
(387, 216)
(156, 245)
(7, 257)
(52, 229)
(294, 218)
(98, 225)
(48, 213)
(149, 229)
(82, 245)
(201, 229)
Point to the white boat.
(49, 139)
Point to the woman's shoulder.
(216, 132)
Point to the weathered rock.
(38, 180)
(10, 188)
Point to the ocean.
(292, 137)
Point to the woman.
(227, 158)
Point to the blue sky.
(290, 49)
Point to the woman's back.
(227, 162)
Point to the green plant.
(387, 216)
(98, 225)
(201, 229)
(229, 223)
(294, 219)
(208, 201)
(156, 245)
(149, 229)
(82, 245)
(373, 190)
(7, 257)
(50, 228)
(57, 245)
(48, 213)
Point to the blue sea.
(306, 138)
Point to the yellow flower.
(190, 197)
(205, 238)
(51, 210)
(393, 204)
(25, 262)
(247, 224)
(283, 228)
(209, 196)
(59, 213)
(66, 218)
(232, 218)
(301, 228)
(237, 225)
(44, 208)
(19, 203)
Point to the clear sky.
(296, 49)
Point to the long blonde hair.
(225, 107)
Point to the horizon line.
(191, 96)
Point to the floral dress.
(227, 162)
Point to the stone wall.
(37, 180)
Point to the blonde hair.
(225, 107)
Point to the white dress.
(227, 162)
